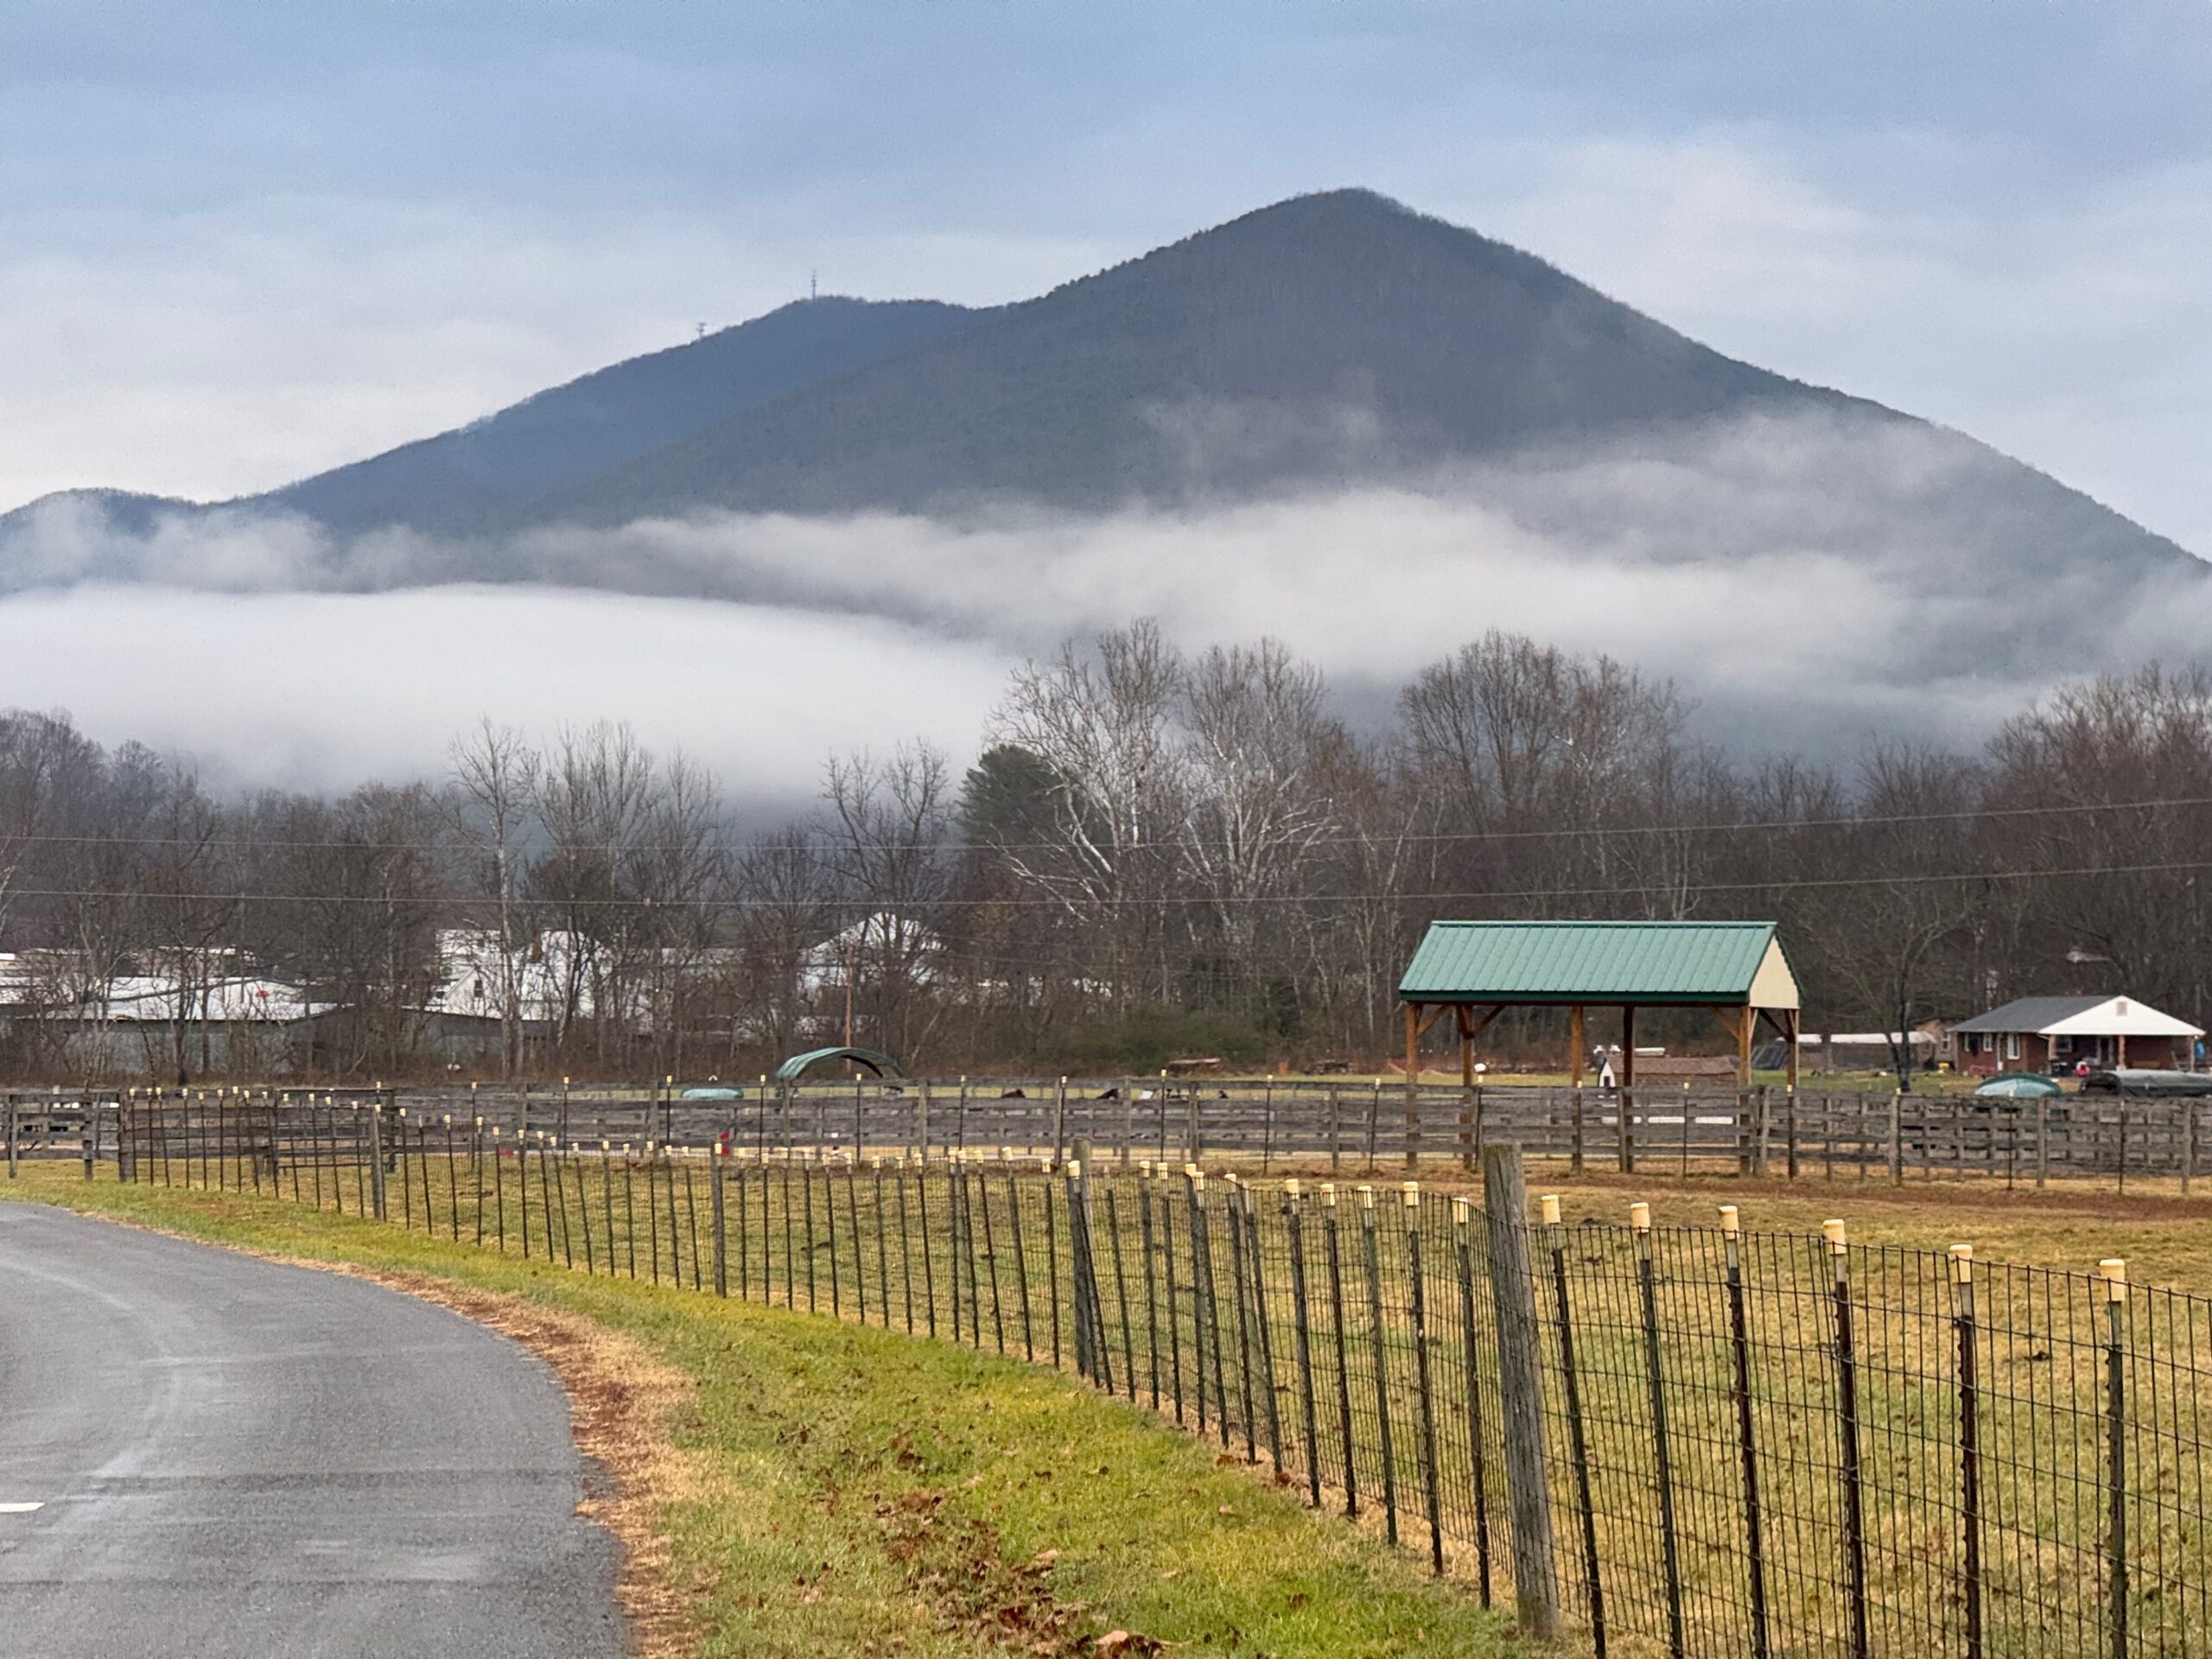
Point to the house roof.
(2079, 1016)
(1691, 963)
(152, 999)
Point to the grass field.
(2166, 1238)
(819, 1489)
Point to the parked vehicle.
(2147, 1084)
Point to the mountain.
(1328, 337)
(480, 476)
(1331, 340)
(486, 472)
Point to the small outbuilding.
(2043, 1033)
(1476, 970)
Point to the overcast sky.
(240, 241)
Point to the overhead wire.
(1186, 901)
(768, 840)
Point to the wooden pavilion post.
(1791, 1020)
(1466, 1029)
(1578, 1041)
(1744, 1044)
(1624, 1098)
(1413, 1083)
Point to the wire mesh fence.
(1694, 1441)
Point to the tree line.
(1154, 849)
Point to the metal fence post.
(1432, 1493)
(1120, 1294)
(1243, 1328)
(1260, 1322)
(1101, 1354)
(1640, 1218)
(1334, 1253)
(1520, 1401)
(1151, 1278)
(982, 1197)
(1578, 1443)
(1020, 1254)
(1301, 1328)
(1206, 1309)
(573, 1159)
(1370, 1252)
(744, 1218)
(1470, 1359)
(376, 1157)
(1847, 1401)
(928, 1263)
(830, 1224)
(1053, 1265)
(1091, 1336)
(1746, 1442)
(806, 1206)
(716, 1201)
(1167, 1275)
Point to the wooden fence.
(1279, 1126)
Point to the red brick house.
(2059, 1034)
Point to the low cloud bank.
(1809, 583)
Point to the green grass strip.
(876, 1494)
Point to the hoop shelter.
(1476, 970)
(874, 1060)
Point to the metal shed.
(1476, 970)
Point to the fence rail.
(1297, 1125)
(1696, 1442)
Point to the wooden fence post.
(1505, 1200)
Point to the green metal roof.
(1710, 962)
(874, 1058)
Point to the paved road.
(238, 1460)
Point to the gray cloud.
(1807, 582)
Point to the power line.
(1165, 902)
(1171, 843)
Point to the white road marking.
(19, 1508)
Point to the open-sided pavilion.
(1476, 970)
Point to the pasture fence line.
(1695, 1440)
(1279, 1126)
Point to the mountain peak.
(1332, 339)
